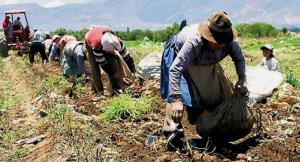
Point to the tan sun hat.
(55, 37)
(218, 28)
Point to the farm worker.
(38, 35)
(269, 61)
(47, 42)
(37, 45)
(103, 47)
(200, 49)
(52, 49)
(72, 59)
(18, 24)
(6, 24)
(59, 43)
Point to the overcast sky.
(45, 3)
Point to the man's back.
(17, 22)
(38, 36)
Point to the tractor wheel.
(3, 45)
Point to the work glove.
(177, 110)
(240, 83)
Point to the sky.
(45, 3)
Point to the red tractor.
(17, 36)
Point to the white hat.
(267, 46)
(110, 42)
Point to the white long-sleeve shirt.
(271, 64)
(38, 36)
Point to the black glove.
(240, 83)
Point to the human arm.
(184, 58)
(127, 58)
(238, 58)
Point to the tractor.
(17, 37)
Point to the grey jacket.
(194, 51)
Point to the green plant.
(291, 79)
(56, 83)
(1, 64)
(79, 88)
(23, 64)
(59, 113)
(19, 153)
(8, 136)
(125, 106)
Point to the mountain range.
(154, 14)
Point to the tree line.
(259, 29)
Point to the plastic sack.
(261, 82)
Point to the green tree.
(259, 29)
(284, 30)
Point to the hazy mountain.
(153, 14)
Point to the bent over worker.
(72, 59)
(102, 47)
(58, 45)
(195, 78)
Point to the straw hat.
(55, 37)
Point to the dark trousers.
(97, 85)
(34, 48)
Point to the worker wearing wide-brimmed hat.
(200, 49)
(269, 61)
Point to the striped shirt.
(100, 54)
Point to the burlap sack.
(229, 121)
(225, 115)
(123, 68)
(120, 67)
(210, 88)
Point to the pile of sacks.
(287, 98)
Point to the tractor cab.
(18, 30)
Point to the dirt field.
(73, 132)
